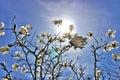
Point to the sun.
(66, 27)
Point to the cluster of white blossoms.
(4, 50)
(111, 33)
(111, 46)
(116, 57)
(16, 66)
(78, 42)
(1, 28)
(24, 30)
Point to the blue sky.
(87, 15)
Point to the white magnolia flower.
(23, 69)
(2, 33)
(20, 41)
(57, 22)
(110, 33)
(70, 78)
(98, 72)
(90, 35)
(39, 59)
(108, 47)
(37, 73)
(2, 25)
(17, 55)
(40, 41)
(116, 56)
(114, 44)
(78, 42)
(4, 50)
(4, 78)
(24, 30)
(50, 76)
(45, 35)
(28, 27)
(1, 28)
(15, 67)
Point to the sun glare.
(65, 27)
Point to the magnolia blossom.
(46, 36)
(15, 67)
(70, 78)
(23, 69)
(40, 41)
(1, 28)
(64, 64)
(66, 32)
(28, 27)
(57, 22)
(24, 30)
(17, 55)
(98, 72)
(110, 33)
(20, 41)
(108, 47)
(39, 60)
(50, 76)
(97, 78)
(4, 50)
(114, 44)
(116, 56)
(4, 78)
(37, 73)
(78, 42)
(90, 35)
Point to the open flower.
(57, 22)
(28, 27)
(45, 36)
(107, 47)
(110, 33)
(1, 28)
(98, 72)
(90, 35)
(4, 50)
(70, 78)
(114, 44)
(5, 78)
(24, 30)
(23, 69)
(50, 76)
(40, 41)
(17, 55)
(116, 56)
(39, 59)
(37, 73)
(78, 42)
(15, 67)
